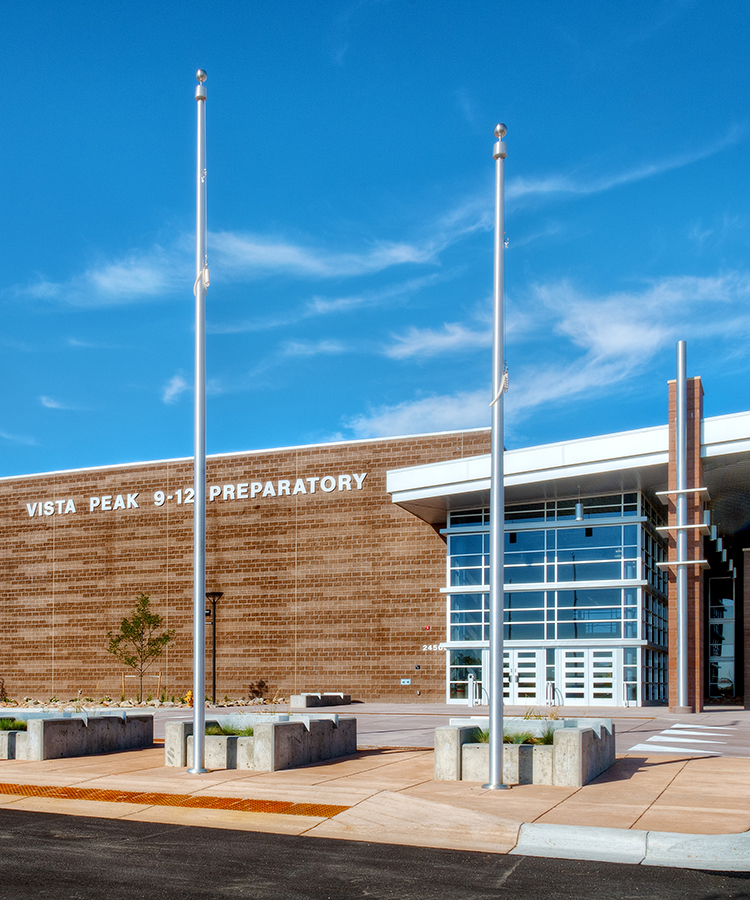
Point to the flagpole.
(199, 465)
(497, 485)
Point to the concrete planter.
(52, 738)
(312, 700)
(12, 744)
(275, 744)
(582, 749)
(225, 751)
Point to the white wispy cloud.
(22, 439)
(606, 340)
(41, 289)
(174, 388)
(147, 274)
(327, 306)
(426, 342)
(313, 348)
(323, 306)
(466, 409)
(136, 276)
(89, 345)
(160, 271)
(468, 106)
(132, 278)
(718, 232)
(521, 188)
(639, 322)
(51, 403)
(603, 343)
(253, 255)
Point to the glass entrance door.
(589, 677)
(523, 677)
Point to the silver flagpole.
(497, 486)
(681, 503)
(199, 466)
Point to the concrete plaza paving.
(387, 793)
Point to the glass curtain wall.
(721, 674)
(592, 579)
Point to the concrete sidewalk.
(390, 796)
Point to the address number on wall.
(432, 647)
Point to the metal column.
(199, 466)
(497, 488)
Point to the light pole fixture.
(213, 598)
(199, 433)
(497, 485)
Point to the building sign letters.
(243, 490)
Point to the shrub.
(257, 689)
(12, 725)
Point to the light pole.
(199, 433)
(213, 597)
(497, 486)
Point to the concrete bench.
(274, 745)
(55, 738)
(582, 750)
(310, 700)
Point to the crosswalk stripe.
(677, 751)
(683, 740)
(701, 733)
(706, 727)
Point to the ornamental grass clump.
(12, 725)
(247, 731)
(518, 737)
(547, 736)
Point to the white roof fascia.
(723, 435)
(450, 474)
(598, 468)
(588, 456)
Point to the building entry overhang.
(624, 461)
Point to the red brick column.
(695, 601)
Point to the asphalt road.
(44, 856)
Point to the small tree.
(135, 644)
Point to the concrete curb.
(713, 852)
(716, 852)
(581, 842)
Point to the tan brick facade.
(331, 590)
(695, 507)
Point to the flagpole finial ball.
(201, 75)
(501, 130)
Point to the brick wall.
(695, 506)
(331, 590)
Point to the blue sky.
(350, 192)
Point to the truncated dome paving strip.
(280, 807)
